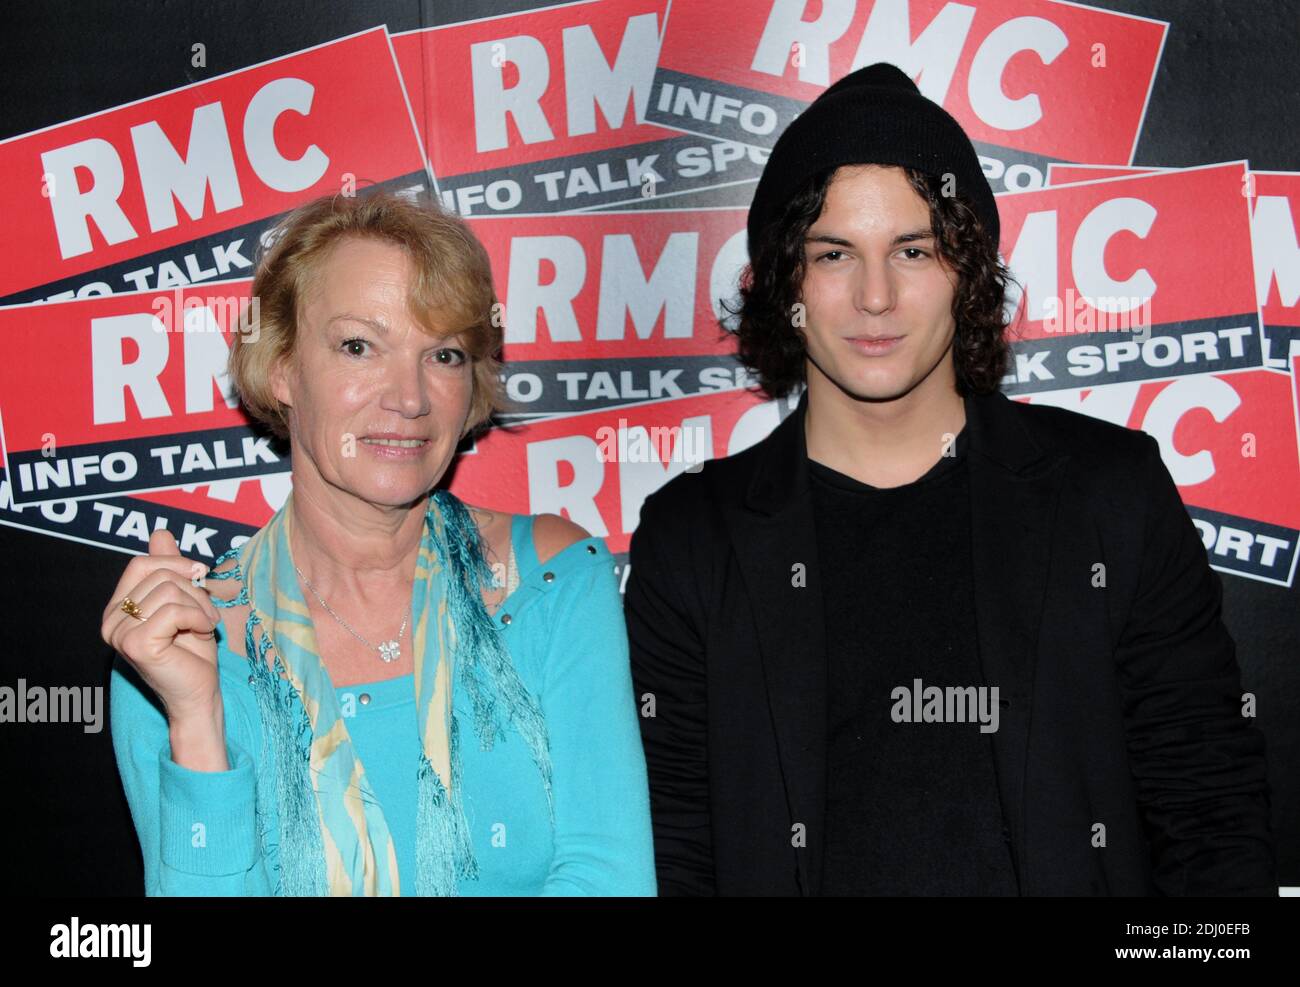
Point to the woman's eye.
(450, 356)
(355, 341)
(828, 254)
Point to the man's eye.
(923, 253)
(354, 341)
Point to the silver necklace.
(388, 650)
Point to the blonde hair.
(453, 281)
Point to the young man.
(923, 639)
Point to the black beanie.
(875, 115)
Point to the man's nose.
(874, 290)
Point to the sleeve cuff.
(208, 820)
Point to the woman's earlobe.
(279, 385)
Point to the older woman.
(348, 703)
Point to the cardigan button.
(250, 680)
(505, 618)
(549, 577)
(591, 549)
(365, 698)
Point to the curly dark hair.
(771, 348)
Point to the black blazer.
(1121, 704)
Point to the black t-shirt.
(911, 808)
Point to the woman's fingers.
(161, 588)
(142, 574)
(171, 643)
(160, 577)
(152, 637)
(163, 542)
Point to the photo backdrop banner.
(605, 153)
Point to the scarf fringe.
(444, 852)
(479, 648)
(300, 852)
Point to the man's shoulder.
(713, 483)
(1091, 443)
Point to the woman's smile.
(395, 446)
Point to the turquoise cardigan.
(564, 628)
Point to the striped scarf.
(333, 838)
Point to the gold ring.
(129, 605)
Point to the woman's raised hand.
(173, 647)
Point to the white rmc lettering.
(167, 178)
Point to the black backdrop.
(1226, 89)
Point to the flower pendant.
(389, 650)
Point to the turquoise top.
(563, 626)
